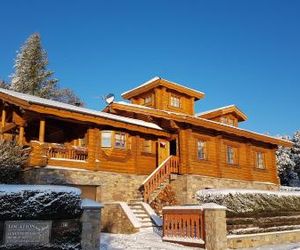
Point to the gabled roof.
(201, 122)
(25, 100)
(230, 109)
(158, 81)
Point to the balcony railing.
(60, 151)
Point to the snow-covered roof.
(156, 78)
(229, 108)
(213, 110)
(73, 108)
(203, 119)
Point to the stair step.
(142, 216)
(147, 224)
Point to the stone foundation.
(108, 186)
(186, 186)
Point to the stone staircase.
(140, 213)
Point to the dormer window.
(148, 99)
(175, 101)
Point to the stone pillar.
(91, 225)
(215, 226)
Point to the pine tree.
(296, 151)
(32, 77)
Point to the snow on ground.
(146, 239)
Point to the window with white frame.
(106, 139)
(120, 140)
(175, 101)
(260, 160)
(201, 150)
(230, 155)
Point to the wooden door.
(163, 150)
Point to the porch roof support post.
(42, 130)
(21, 135)
(3, 119)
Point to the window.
(148, 99)
(106, 139)
(223, 120)
(175, 101)
(120, 140)
(230, 155)
(260, 160)
(201, 150)
(230, 121)
(147, 146)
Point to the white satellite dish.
(109, 98)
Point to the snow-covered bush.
(12, 157)
(243, 203)
(39, 202)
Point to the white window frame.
(260, 160)
(121, 141)
(201, 150)
(175, 101)
(104, 144)
(230, 155)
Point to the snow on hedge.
(244, 202)
(39, 202)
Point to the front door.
(163, 150)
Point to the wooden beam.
(3, 118)
(21, 135)
(8, 126)
(42, 130)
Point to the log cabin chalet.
(136, 147)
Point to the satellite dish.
(109, 98)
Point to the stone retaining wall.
(116, 218)
(256, 240)
(186, 186)
(109, 186)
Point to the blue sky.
(238, 52)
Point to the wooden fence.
(184, 224)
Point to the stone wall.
(115, 219)
(256, 240)
(186, 186)
(109, 186)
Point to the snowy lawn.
(146, 239)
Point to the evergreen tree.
(12, 157)
(285, 166)
(32, 77)
(296, 151)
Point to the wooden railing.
(60, 151)
(159, 175)
(184, 224)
